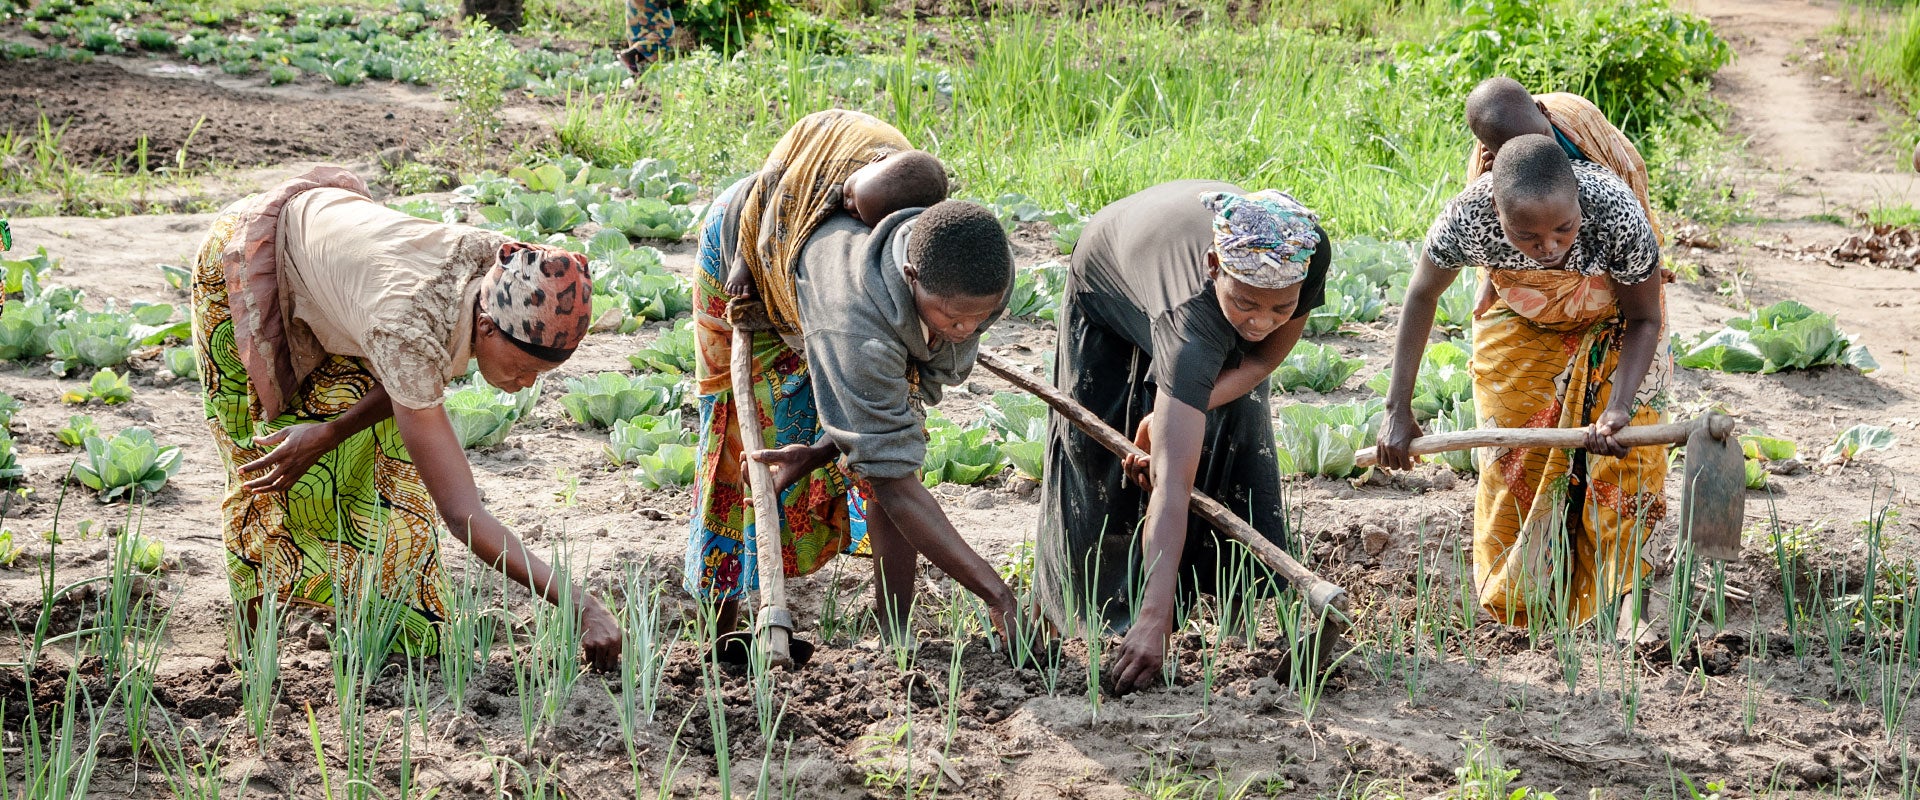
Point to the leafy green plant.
(655, 178)
(473, 73)
(1037, 291)
(131, 463)
(643, 217)
(1761, 450)
(1640, 59)
(486, 188)
(107, 338)
(146, 553)
(539, 178)
(1312, 366)
(538, 211)
(106, 386)
(671, 353)
(629, 439)
(1785, 335)
(1316, 440)
(77, 430)
(958, 455)
(94, 340)
(483, 415)
(176, 277)
(669, 465)
(182, 362)
(427, 210)
(9, 550)
(1021, 422)
(25, 328)
(1460, 417)
(1444, 381)
(24, 275)
(8, 407)
(1385, 264)
(1454, 312)
(1859, 439)
(633, 284)
(609, 397)
(1350, 298)
(10, 469)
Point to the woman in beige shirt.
(327, 328)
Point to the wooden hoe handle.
(1321, 595)
(1537, 439)
(775, 622)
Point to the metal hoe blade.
(1714, 490)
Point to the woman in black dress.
(1182, 299)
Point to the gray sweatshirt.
(863, 335)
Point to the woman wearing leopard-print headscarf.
(1572, 338)
(327, 328)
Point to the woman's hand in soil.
(1396, 438)
(1600, 434)
(1138, 660)
(296, 448)
(788, 464)
(600, 636)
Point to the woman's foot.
(631, 59)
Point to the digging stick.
(773, 622)
(1322, 596)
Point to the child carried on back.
(902, 180)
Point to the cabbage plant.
(1311, 366)
(130, 464)
(1445, 380)
(1782, 336)
(609, 397)
(1315, 440)
(629, 439)
(671, 353)
(483, 415)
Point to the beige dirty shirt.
(362, 280)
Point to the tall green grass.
(1367, 129)
(1081, 113)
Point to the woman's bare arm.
(436, 451)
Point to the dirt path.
(1815, 145)
(1816, 151)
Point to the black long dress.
(1141, 313)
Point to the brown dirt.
(105, 108)
(1015, 738)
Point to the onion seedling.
(57, 764)
(190, 763)
(366, 627)
(468, 633)
(258, 647)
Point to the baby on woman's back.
(902, 180)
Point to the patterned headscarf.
(1264, 239)
(541, 298)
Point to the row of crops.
(609, 213)
(282, 43)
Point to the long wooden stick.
(775, 622)
(1536, 439)
(1321, 594)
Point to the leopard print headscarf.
(541, 298)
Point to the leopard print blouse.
(1614, 238)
